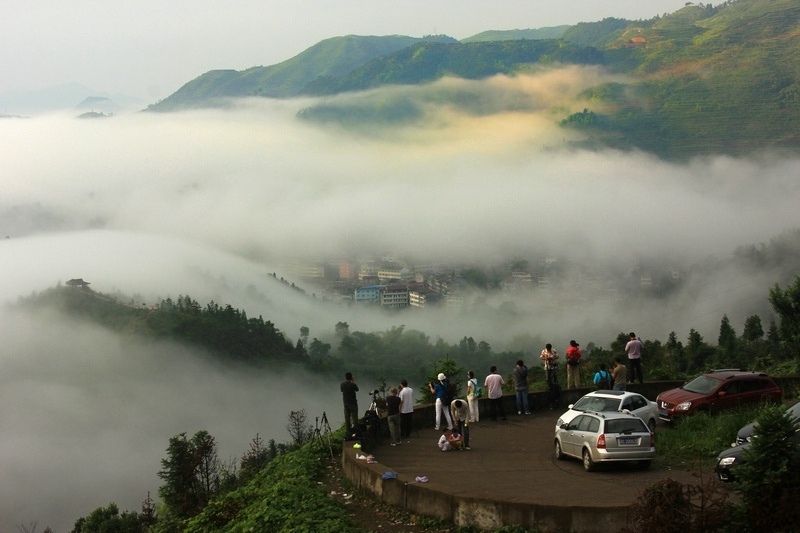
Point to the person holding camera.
(349, 390)
(439, 390)
(550, 358)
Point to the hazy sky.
(150, 48)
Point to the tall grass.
(695, 441)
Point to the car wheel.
(644, 465)
(651, 425)
(588, 464)
(559, 453)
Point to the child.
(444, 440)
(456, 441)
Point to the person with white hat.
(439, 389)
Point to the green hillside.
(425, 62)
(332, 57)
(706, 80)
(702, 80)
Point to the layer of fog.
(208, 203)
(85, 418)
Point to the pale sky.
(149, 49)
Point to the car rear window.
(622, 425)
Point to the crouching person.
(459, 411)
(444, 440)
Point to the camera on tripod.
(375, 392)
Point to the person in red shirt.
(573, 365)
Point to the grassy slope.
(724, 82)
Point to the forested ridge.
(221, 329)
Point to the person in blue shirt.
(439, 390)
(602, 378)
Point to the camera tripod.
(322, 432)
(378, 404)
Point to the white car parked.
(613, 400)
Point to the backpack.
(477, 389)
(605, 381)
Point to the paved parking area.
(514, 461)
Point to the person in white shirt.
(472, 398)
(407, 409)
(494, 387)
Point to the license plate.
(628, 441)
(662, 412)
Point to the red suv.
(717, 390)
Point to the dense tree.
(342, 329)
(191, 474)
(786, 304)
(768, 480)
(108, 520)
(753, 330)
(726, 344)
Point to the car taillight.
(601, 441)
(652, 440)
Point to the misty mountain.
(701, 80)
(332, 57)
(64, 97)
(99, 104)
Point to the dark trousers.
(635, 370)
(552, 375)
(350, 416)
(463, 429)
(495, 406)
(405, 424)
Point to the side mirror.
(570, 406)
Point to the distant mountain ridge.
(332, 57)
(705, 79)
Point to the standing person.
(494, 386)
(634, 351)
(439, 390)
(349, 390)
(602, 378)
(406, 409)
(573, 365)
(393, 406)
(619, 373)
(472, 397)
(550, 358)
(521, 387)
(460, 411)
